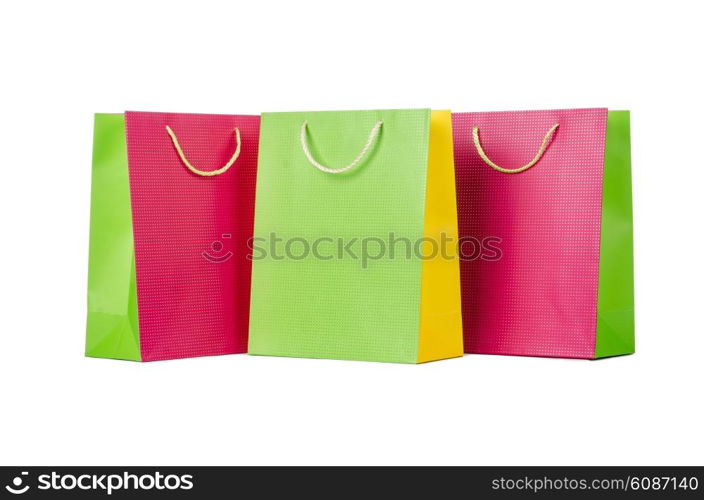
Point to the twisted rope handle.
(205, 173)
(370, 140)
(538, 155)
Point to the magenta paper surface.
(538, 297)
(191, 232)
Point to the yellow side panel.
(440, 310)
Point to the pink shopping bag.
(172, 216)
(544, 212)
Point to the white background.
(63, 61)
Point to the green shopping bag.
(343, 266)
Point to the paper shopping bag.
(349, 205)
(171, 214)
(545, 221)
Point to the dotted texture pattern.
(191, 303)
(332, 307)
(540, 297)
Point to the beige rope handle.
(304, 144)
(536, 158)
(205, 173)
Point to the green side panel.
(333, 305)
(112, 328)
(615, 330)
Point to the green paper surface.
(336, 308)
(112, 328)
(615, 331)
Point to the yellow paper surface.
(440, 312)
